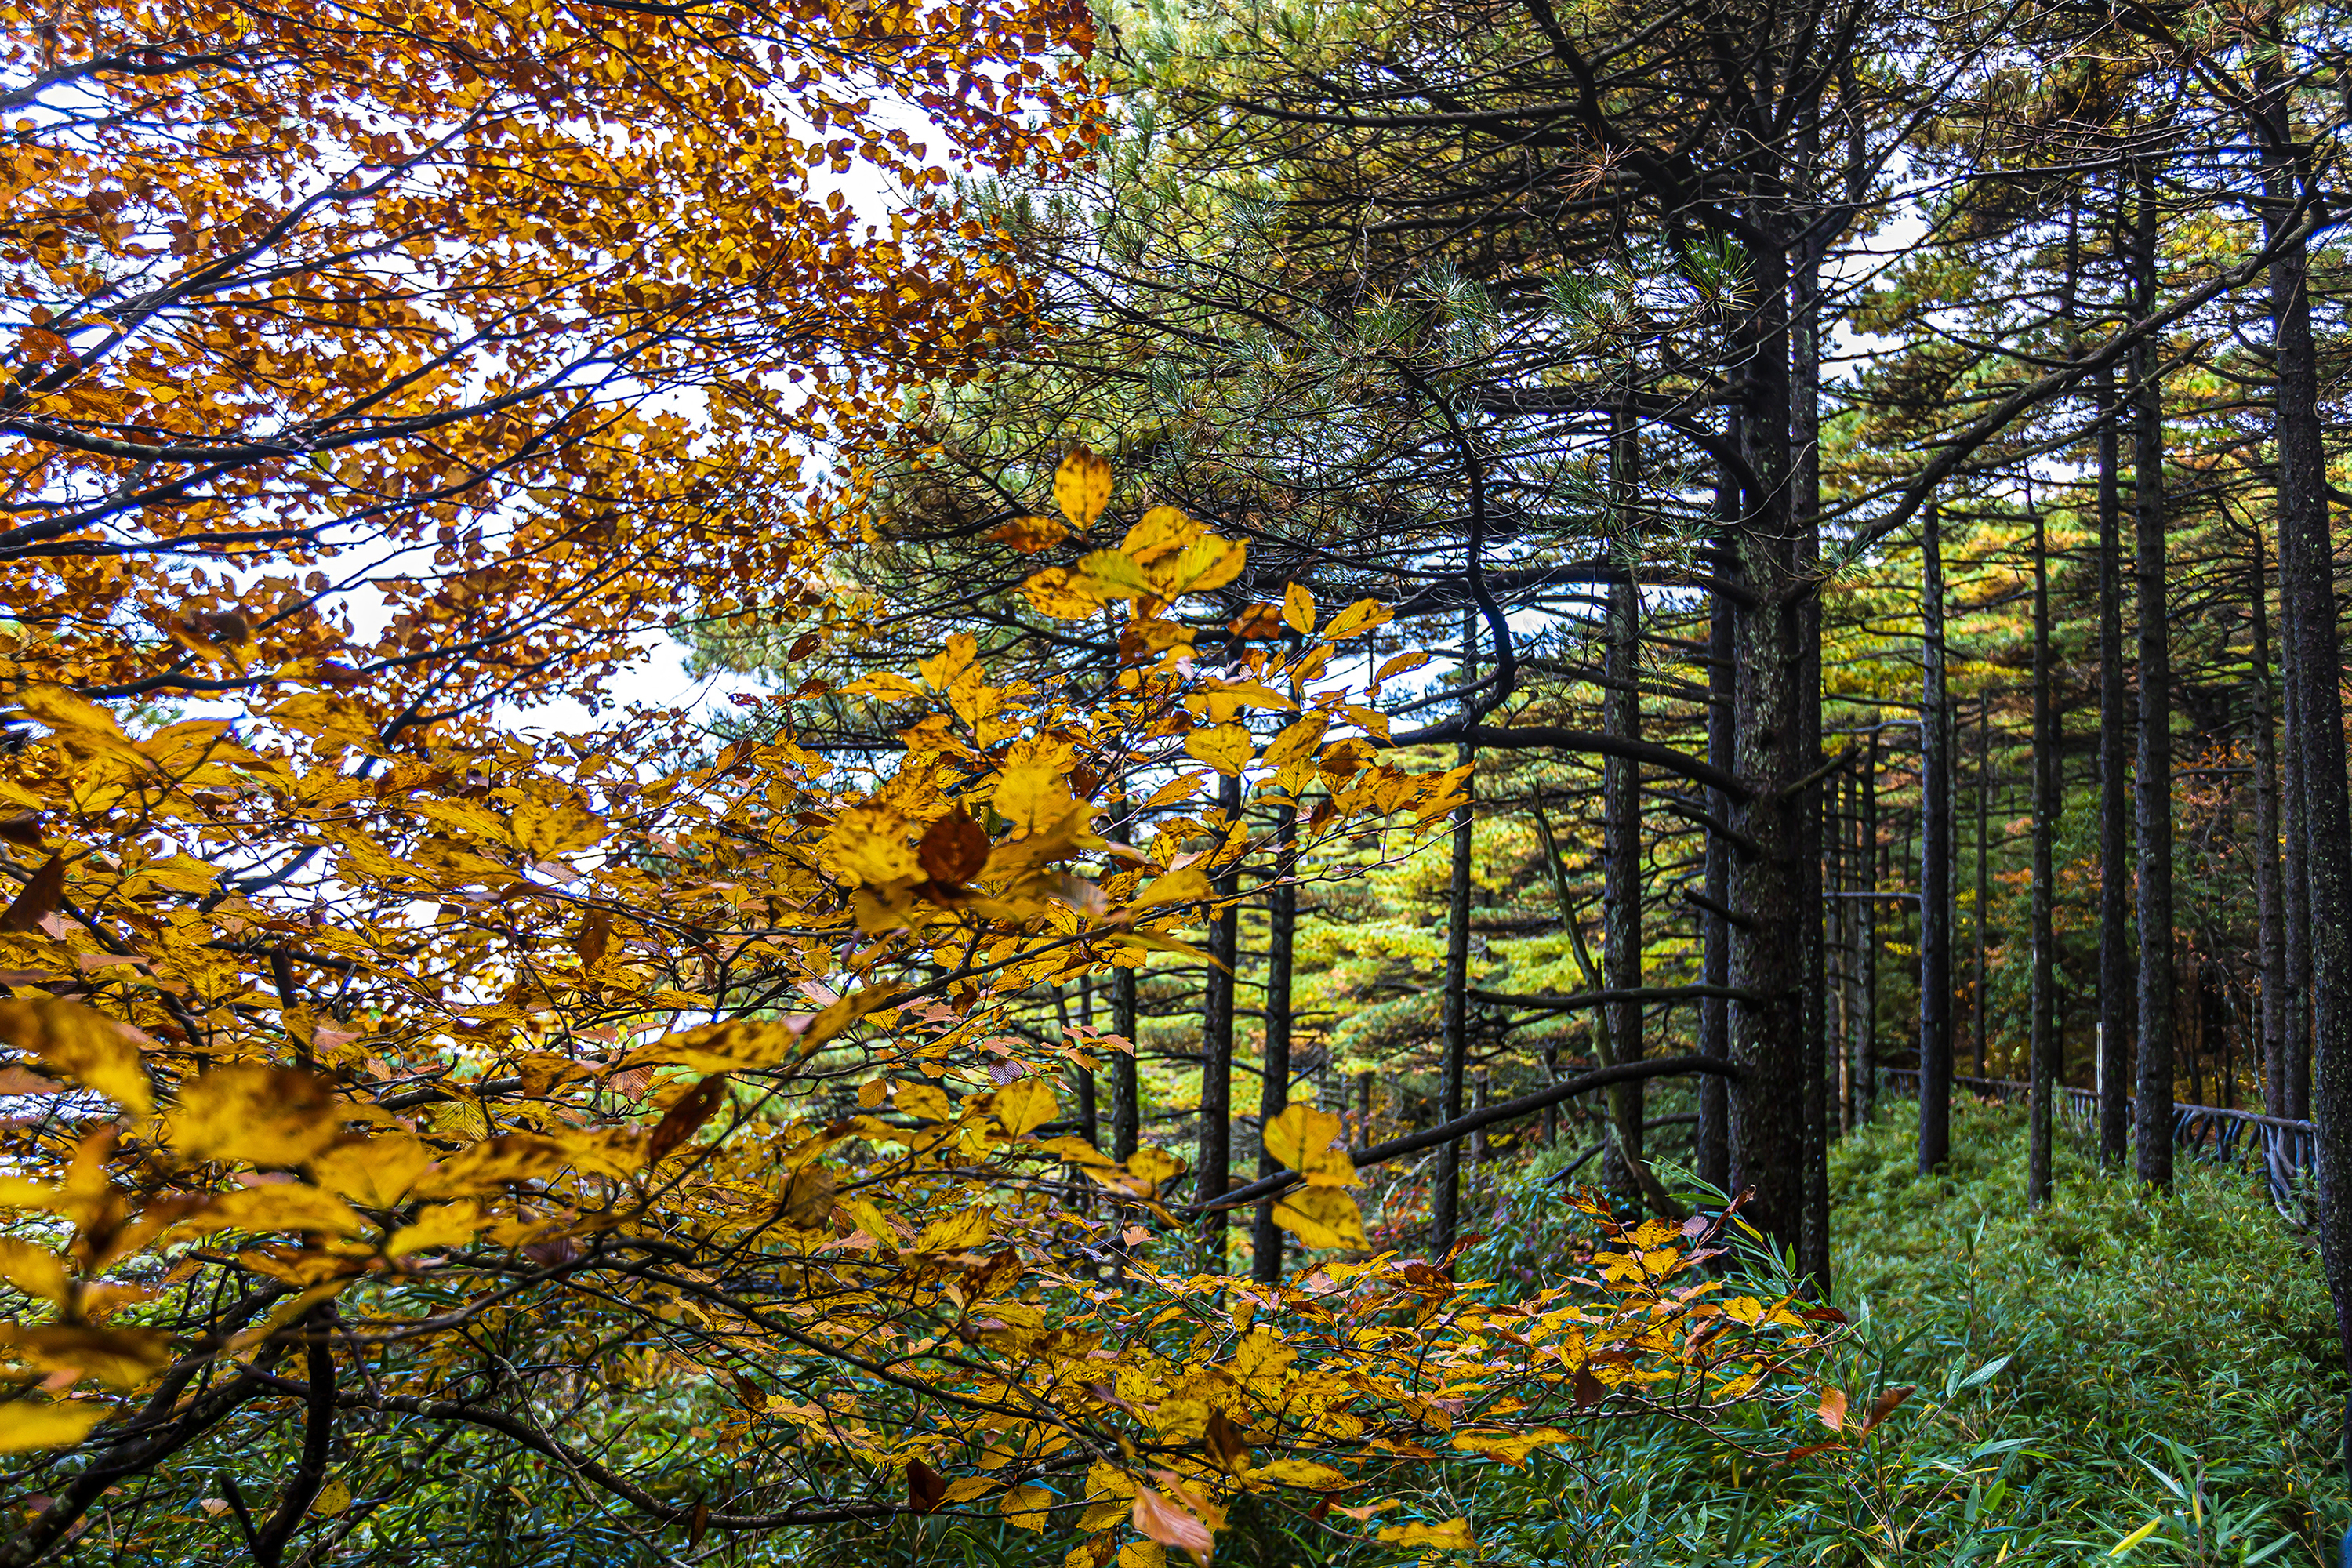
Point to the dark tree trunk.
(1273, 1091)
(1217, 1048)
(2316, 736)
(2118, 1005)
(1976, 1009)
(1126, 1112)
(2270, 917)
(2043, 1046)
(1621, 790)
(1865, 1031)
(1837, 865)
(1813, 1249)
(1769, 884)
(1082, 1079)
(2152, 1112)
(1456, 1019)
(2294, 1002)
(1713, 1146)
(1935, 864)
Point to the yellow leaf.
(85, 1045)
(1357, 619)
(1202, 567)
(1154, 1167)
(1313, 1144)
(333, 1499)
(1025, 1104)
(1299, 609)
(1453, 1535)
(1322, 1217)
(2135, 1538)
(34, 1270)
(869, 845)
(1031, 534)
(25, 1427)
(376, 1173)
(1180, 887)
(1142, 1554)
(1082, 486)
(1024, 1506)
(1511, 1447)
(443, 1225)
(262, 1115)
(1058, 592)
(1163, 530)
(1227, 748)
(1297, 742)
(280, 1205)
(1300, 1473)
(1034, 797)
(1112, 574)
(122, 1357)
(958, 1233)
(963, 1488)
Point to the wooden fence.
(2284, 1149)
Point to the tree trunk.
(1813, 1250)
(1455, 1005)
(2118, 1007)
(2042, 1053)
(1274, 1088)
(1976, 1008)
(2269, 918)
(2316, 738)
(2152, 1110)
(1621, 790)
(1865, 1031)
(2294, 1002)
(1837, 865)
(1935, 864)
(1217, 1046)
(1713, 1147)
(1126, 1110)
(1768, 885)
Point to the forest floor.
(2116, 1362)
(2118, 1368)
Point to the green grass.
(2117, 1360)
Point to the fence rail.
(2285, 1150)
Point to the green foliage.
(2117, 1360)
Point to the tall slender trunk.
(2270, 917)
(2294, 1001)
(1274, 1086)
(2118, 1007)
(1768, 885)
(2041, 1051)
(1837, 865)
(1934, 864)
(2315, 672)
(1976, 1008)
(1126, 1112)
(1082, 1079)
(1217, 1045)
(1713, 1147)
(1455, 1005)
(1865, 1028)
(1621, 789)
(2152, 1109)
(1813, 1249)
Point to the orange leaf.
(1170, 1523)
